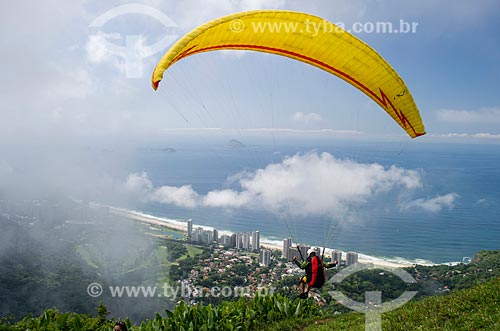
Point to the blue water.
(380, 228)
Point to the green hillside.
(43, 266)
(473, 309)
(477, 308)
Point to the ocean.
(377, 227)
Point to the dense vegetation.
(51, 263)
(438, 279)
(255, 314)
(34, 275)
(477, 308)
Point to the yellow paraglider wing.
(309, 39)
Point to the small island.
(233, 143)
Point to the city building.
(190, 229)
(287, 244)
(246, 241)
(197, 235)
(208, 237)
(239, 241)
(351, 258)
(336, 255)
(201, 235)
(265, 258)
(303, 251)
(292, 252)
(225, 241)
(255, 240)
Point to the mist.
(58, 236)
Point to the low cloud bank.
(303, 184)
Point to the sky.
(77, 73)
(65, 75)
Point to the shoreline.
(149, 219)
(182, 226)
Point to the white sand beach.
(149, 219)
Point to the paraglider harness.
(315, 271)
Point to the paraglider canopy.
(325, 46)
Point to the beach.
(149, 219)
(182, 226)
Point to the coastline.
(149, 219)
(182, 226)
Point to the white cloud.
(263, 131)
(141, 185)
(306, 118)
(434, 204)
(138, 183)
(482, 135)
(322, 184)
(480, 116)
(427, 12)
(310, 184)
(103, 47)
(71, 84)
(227, 198)
(6, 172)
(261, 4)
(183, 196)
(96, 49)
(188, 14)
